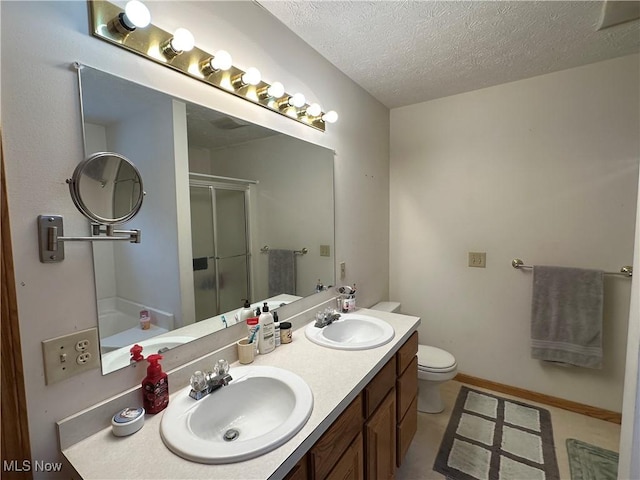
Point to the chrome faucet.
(204, 383)
(326, 318)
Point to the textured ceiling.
(406, 52)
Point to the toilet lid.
(433, 358)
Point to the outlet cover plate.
(478, 259)
(71, 354)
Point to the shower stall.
(220, 244)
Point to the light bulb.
(136, 14)
(276, 90)
(251, 76)
(314, 110)
(297, 100)
(221, 60)
(182, 40)
(330, 117)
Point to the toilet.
(435, 366)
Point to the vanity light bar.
(160, 46)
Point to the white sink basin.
(352, 331)
(121, 357)
(262, 407)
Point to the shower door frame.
(236, 185)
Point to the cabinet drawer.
(378, 388)
(326, 452)
(406, 430)
(407, 388)
(407, 352)
(351, 465)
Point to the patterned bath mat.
(494, 438)
(588, 462)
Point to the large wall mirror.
(232, 211)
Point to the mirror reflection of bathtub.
(119, 323)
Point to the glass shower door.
(220, 249)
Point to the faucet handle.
(221, 367)
(198, 381)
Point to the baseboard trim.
(595, 412)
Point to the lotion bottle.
(266, 337)
(155, 386)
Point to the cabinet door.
(380, 440)
(351, 464)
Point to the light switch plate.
(478, 259)
(71, 354)
(325, 250)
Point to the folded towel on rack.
(282, 272)
(566, 316)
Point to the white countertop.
(335, 377)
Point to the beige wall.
(544, 169)
(42, 136)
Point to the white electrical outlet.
(71, 354)
(343, 270)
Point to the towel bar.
(626, 271)
(304, 251)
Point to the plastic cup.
(246, 351)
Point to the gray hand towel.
(566, 316)
(282, 272)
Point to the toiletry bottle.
(246, 311)
(285, 332)
(276, 328)
(155, 386)
(252, 323)
(266, 342)
(145, 320)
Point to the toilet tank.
(391, 307)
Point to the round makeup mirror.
(107, 188)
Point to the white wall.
(544, 169)
(43, 143)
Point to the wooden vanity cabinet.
(372, 435)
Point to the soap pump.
(246, 311)
(266, 334)
(155, 386)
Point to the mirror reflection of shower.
(220, 245)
